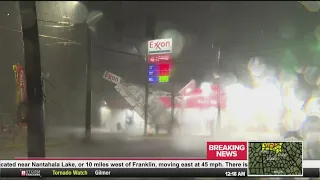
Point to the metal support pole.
(218, 125)
(146, 103)
(172, 106)
(35, 118)
(88, 86)
(150, 33)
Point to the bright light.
(105, 113)
(74, 3)
(268, 96)
(268, 106)
(129, 113)
(216, 76)
(239, 105)
(104, 109)
(188, 90)
(292, 120)
(259, 107)
(291, 102)
(206, 88)
(237, 90)
(256, 66)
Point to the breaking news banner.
(227, 151)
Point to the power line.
(109, 49)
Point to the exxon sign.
(160, 46)
(112, 77)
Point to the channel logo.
(30, 173)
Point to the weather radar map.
(275, 159)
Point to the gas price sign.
(159, 60)
(159, 73)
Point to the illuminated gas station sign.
(159, 60)
(159, 73)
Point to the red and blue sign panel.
(159, 73)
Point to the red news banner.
(229, 153)
(227, 150)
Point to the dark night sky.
(244, 29)
(239, 26)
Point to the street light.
(91, 22)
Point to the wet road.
(120, 145)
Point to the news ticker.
(136, 172)
(136, 168)
(256, 156)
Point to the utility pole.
(88, 86)
(35, 118)
(90, 23)
(150, 33)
